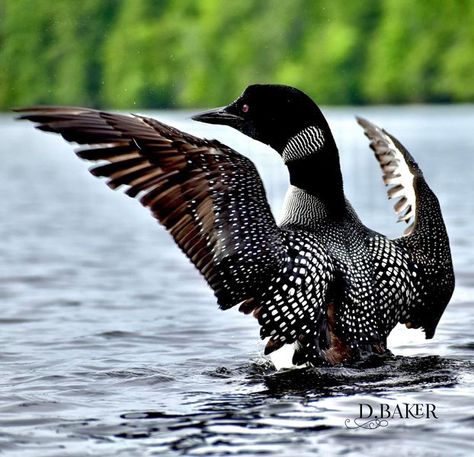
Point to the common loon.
(320, 280)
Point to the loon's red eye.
(245, 108)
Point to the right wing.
(209, 197)
(399, 172)
(425, 238)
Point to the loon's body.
(320, 279)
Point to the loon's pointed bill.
(319, 281)
(218, 116)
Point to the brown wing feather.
(209, 197)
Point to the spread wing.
(209, 197)
(425, 238)
(399, 172)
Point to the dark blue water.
(112, 345)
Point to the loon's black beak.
(219, 116)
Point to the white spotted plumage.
(319, 280)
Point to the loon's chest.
(345, 238)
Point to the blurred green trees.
(189, 53)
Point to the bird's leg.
(338, 351)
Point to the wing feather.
(209, 197)
(425, 239)
(212, 201)
(399, 172)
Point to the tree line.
(191, 53)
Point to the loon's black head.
(269, 113)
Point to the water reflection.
(292, 406)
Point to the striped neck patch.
(307, 142)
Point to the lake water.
(112, 345)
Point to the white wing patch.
(396, 173)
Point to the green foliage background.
(189, 53)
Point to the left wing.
(209, 197)
(212, 201)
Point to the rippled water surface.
(112, 345)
